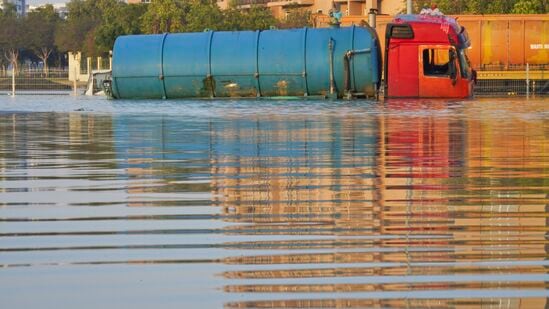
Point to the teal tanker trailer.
(329, 62)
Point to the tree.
(164, 16)
(255, 18)
(117, 19)
(40, 26)
(486, 7)
(258, 18)
(70, 35)
(531, 7)
(83, 17)
(490, 7)
(92, 26)
(296, 18)
(11, 36)
(10, 10)
(232, 18)
(445, 6)
(204, 14)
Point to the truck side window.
(435, 62)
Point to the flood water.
(273, 204)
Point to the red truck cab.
(426, 57)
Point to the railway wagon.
(498, 42)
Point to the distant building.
(20, 6)
(347, 7)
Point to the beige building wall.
(392, 7)
(347, 7)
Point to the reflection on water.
(307, 204)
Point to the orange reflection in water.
(442, 184)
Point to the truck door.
(402, 71)
(439, 72)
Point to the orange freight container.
(498, 42)
(507, 42)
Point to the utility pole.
(409, 7)
(13, 80)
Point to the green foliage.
(296, 18)
(531, 7)
(92, 26)
(41, 25)
(9, 10)
(257, 18)
(118, 18)
(84, 16)
(486, 7)
(164, 16)
(11, 38)
(490, 7)
(11, 33)
(254, 18)
(202, 15)
(231, 19)
(40, 29)
(445, 6)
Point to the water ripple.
(270, 204)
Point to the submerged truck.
(425, 56)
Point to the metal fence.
(84, 67)
(35, 80)
(488, 87)
(57, 79)
(511, 80)
(512, 67)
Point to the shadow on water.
(300, 205)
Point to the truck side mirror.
(452, 66)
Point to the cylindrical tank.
(294, 62)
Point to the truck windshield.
(464, 63)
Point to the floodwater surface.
(273, 204)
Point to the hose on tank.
(347, 69)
